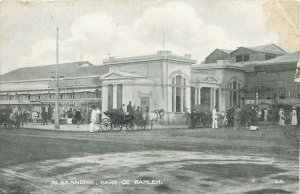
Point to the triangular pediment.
(120, 75)
(113, 76)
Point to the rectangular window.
(246, 57)
(238, 58)
(110, 97)
(234, 98)
(269, 56)
(119, 95)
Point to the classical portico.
(206, 91)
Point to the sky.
(93, 30)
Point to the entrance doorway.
(145, 104)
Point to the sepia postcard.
(149, 96)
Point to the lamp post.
(56, 113)
(242, 95)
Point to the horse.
(155, 115)
(13, 119)
(4, 118)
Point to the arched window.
(178, 93)
(235, 87)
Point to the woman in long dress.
(294, 117)
(281, 117)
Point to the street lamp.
(242, 92)
(56, 113)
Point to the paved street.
(159, 161)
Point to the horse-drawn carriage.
(116, 121)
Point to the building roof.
(269, 48)
(74, 69)
(222, 50)
(284, 59)
(226, 51)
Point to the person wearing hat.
(294, 117)
(281, 117)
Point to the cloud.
(186, 28)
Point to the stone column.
(196, 96)
(211, 97)
(188, 98)
(199, 95)
(215, 97)
(104, 97)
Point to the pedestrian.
(259, 113)
(214, 117)
(130, 109)
(98, 115)
(294, 117)
(193, 119)
(266, 114)
(44, 116)
(298, 115)
(69, 116)
(262, 115)
(93, 120)
(34, 116)
(123, 108)
(187, 116)
(23, 117)
(77, 117)
(225, 120)
(237, 117)
(281, 117)
(230, 116)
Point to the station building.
(160, 81)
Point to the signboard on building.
(65, 83)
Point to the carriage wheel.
(117, 127)
(105, 124)
(130, 126)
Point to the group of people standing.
(294, 119)
(74, 116)
(238, 118)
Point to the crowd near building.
(227, 78)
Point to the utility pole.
(56, 124)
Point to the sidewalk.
(85, 127)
